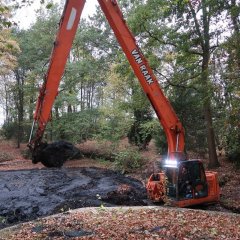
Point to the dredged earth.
(29, 194)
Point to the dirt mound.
(27, 195)
(124, 195)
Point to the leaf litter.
(132, 223)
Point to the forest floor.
(150, 222)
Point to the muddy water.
(28, 194)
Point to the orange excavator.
(182, 181)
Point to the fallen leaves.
(229, 177)
(133, 223)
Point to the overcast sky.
(27, 15)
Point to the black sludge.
(29, 194)
(55, 154)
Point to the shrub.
(26, 153)
(234, 156)
(161, 141)
(6, 156)
(74, 127)
(11, 131)
(128, 160)
(233, 147)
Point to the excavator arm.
(61, 49)
(62, 45)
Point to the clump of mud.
(125, 195)
(55, 154)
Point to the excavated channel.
(28, 194)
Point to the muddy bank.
(29, 194)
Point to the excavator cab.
(186, 181)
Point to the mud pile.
(55, 154)
(29, 194)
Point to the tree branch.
(157, 39)
(196, 23)
(194, 52)
(175, 84)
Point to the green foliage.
(75, 127)
(128, 160)
(49, 5)
(233, 145)
(234, 154)
(4, 16)
(188, 106)
(148, 128)
(113, 128)
(10, 131)
(142, 129)
(129, 97)
(36, 43)
(9, 48)
(160, 141)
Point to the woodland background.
(193, 48)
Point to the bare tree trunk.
(6, 102)
(69, 108)
(81, 99)
(206, 85)
(31, 108)
(235, 21)
(88, 97)
(56, 112)
(92, 95)
(19, 104)
(213, 160)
